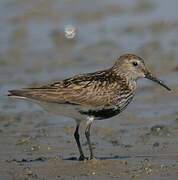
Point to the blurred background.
(42, 41)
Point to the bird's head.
(133, 67)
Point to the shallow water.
(34, 50)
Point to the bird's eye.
(135, 63)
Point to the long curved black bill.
(151, 77)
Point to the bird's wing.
(80, 90)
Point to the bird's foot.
(82, 158)
(92, 158)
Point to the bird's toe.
(82, 158)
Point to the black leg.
(77, 138)
(87, 134)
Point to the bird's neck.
(127, 80)
(125, 75)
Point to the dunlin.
(93, 96)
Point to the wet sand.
(140, 143)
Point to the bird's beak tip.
(160, 82)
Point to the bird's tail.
(17, 93)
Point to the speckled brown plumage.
(94, 89)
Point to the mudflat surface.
(140, 143)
